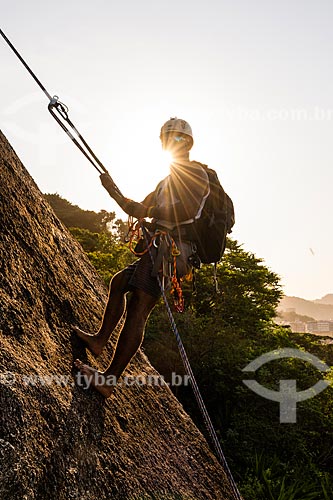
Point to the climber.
(176, 202)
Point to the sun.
(166, 158)
(138, 167)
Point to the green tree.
(249, 292)
(73, 216)
(103, 242)
(109, 263)
(105, 250)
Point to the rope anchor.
(60, 106)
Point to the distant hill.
(292, 316)
(327, 299)
(319, 309)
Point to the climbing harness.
(59, 111)
(134, 237)
(188, 369)
(167, 250)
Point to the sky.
(253, 79)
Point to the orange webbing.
(176, 291)
(134, 236)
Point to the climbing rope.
(188, 369)
(59, 111)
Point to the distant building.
(298, 326)
(316, 327)
(319, 326)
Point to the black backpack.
(209, 232)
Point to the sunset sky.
(254, 80)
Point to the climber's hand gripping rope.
(130, 207)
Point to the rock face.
(59, 441)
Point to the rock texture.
(57, 439)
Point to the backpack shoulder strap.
(200, 164)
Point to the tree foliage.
(105, 250)
(73, 216)
(108, 264)
(249, 291)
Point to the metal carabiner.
(60, 107)
(155, 244)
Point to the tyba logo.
(287, 396)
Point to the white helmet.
(177, 125)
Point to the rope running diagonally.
(59, 111)
(189, 372)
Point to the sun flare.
(167, 158)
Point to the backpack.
(209, 231)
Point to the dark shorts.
(139, 273)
